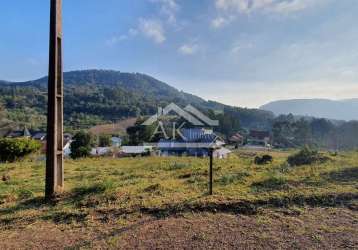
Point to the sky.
(239, 52)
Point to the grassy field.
(105, 197)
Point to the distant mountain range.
(321, 108)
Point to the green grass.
(143, 184)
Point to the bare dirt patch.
(308, 228)
(313, 229)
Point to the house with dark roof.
(67, 136)
(24, 133)
(237, 140)
(39, 136)
(259, 138)
(192, 142)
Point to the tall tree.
(5, 123)
(81, 145)
(139, 133)
(2, 112)
(303, 132)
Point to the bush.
(104, 141)
(265, 159)
(232, 178)
(17, 148)
(81, 145)
(306, 156)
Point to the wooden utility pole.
(54, 152)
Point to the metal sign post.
(211, 154)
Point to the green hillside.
(98, 96)
(94, 97)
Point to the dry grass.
(103, 190)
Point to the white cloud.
(292, 6)
(132, 32)
(238, 46)
(168, 8)
(152, 29)
(348, 72)
(155, 28)
(117, 39)
(220, 21)
(188, 49)
(242, 5)
(254, 94)
(283, 7)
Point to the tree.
(5, 123)
(283, 133)
(303, 132)
(104, 141)
(81, 145)
(139, 133)
(229, 121)
(2, 112)
(347, 135)
(322, 130)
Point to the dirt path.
(310, 228)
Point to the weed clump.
(152, 188)
(232, 178)
(274, 182)
(306, 156)
(67, 217)
(5, 178)
(178, 165)
(24, 194)
(185, 176)
(263, 160)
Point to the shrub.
(17, 148)
(306, 156)
(178, 165)
(104, 141)
(265, 159)
(152, 188)
(81, 145)
(232, 178)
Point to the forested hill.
(95, 96)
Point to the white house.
(116, 142)
(67, 149)
(222, 153)
(100, 151)
(136, 150)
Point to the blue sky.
(239, 52)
